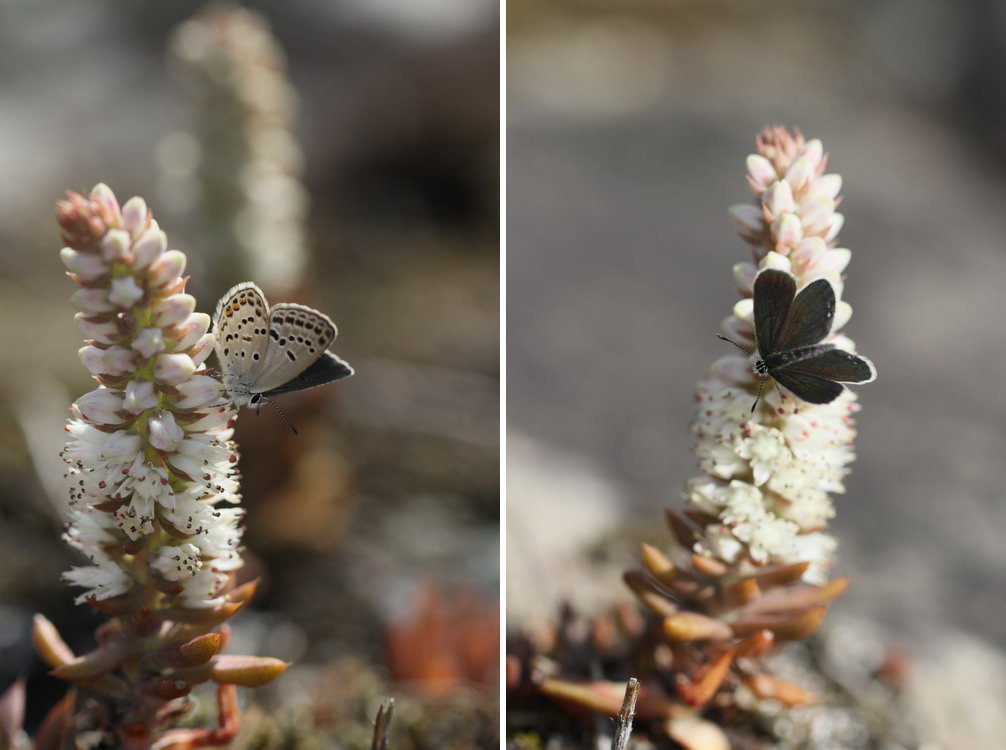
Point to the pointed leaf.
(48, 643)
(11, 713)
(56, 726)
(247, 671)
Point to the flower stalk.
(749, 564)
(747, 567)
(154, 488)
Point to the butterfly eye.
(255, 400)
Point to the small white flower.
(102, 581)
(764, 448)
(176, 563)
(140, 396)
(165, 434)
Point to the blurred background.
(627, 131)
(343, 155)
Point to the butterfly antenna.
(280, 412)
(742, 348)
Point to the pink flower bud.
(778, 199)
(814, 152)
(92, 301)
(101, 406)
(140, 395)
(834, 227)
(744, 276)
(760, 171)
(166, 269)
(87, 266)
(202, 348)
(115, 360)
(817, 215)
(173, 369)
(106, 332)
(115, 245)
(149, 247)
(165, 434)
(825, 186)
(198, 391)
(103, 195)
(172, 309)
(191, 331)
(800, 172)
(121, 445)
(749, 219)
(212, 420)
(135, 216)
(788, 231)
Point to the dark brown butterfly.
(789, 328)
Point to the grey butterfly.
(264, 352)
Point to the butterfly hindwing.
(326, 369)
(773, 296)
(298, 336)
(810, 388)
(834, 364)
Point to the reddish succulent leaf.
(691, 626)
(709, 566)
(52, 733)
(657, 564)
(706, 681)
(96, 663)
(11, 713)
(199, 650)
(228, 719)
(785, 627)
(798, 598)
(766, 686)
(643, 588)
(606, 697)
(247, 671)
(48, 643)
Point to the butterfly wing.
(810, 316)
(326, 369)
(810, 388)
(241, 322)
(834, 364)
(817, 378)
(298, 337)
(773, 295)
